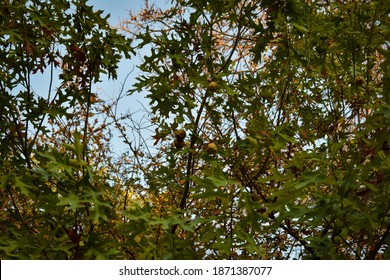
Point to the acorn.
(179, 144)
(180, 135)
(212, 86)
(211, 148)
(359, 80)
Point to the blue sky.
(108, 89)
(118, 9)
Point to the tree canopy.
(270, 131)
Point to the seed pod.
(359, 80)
(180, 134)
(212, 86)
(211, 148)
(179, 144)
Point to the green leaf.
(72, 201)
(5, 179)
(23, 185)
(217, 181)
(300, 27)
(286, 137)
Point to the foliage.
(271, 135)
(294, 97)
(55, 204)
